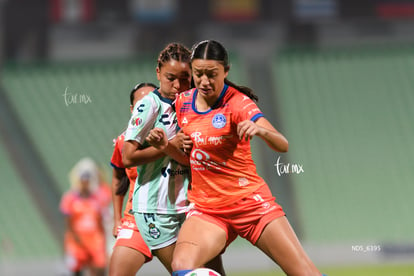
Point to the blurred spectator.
(84, 243)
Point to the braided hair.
(174, 51)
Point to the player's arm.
(134, 155)
(265, 130)
(69, 228)
(117, 199)
(158, 139)
(141, 122)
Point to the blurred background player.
(84, 243)
(130, 251)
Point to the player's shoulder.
(234, 94)
(186, 95)
(69, 195)
(236, 98)
(152, 97)
(119, 140)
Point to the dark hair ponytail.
(244, 89)
(213, 50)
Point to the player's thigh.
(165, 256)
(279, 242)
(125, 261)
(199, 241)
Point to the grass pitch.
(377, 270)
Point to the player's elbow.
(285, 147)
(127, 161)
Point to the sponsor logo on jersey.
(200, 161)
(200, 155)
(219, 120)
(136, 121)
(184, 121)
(167, 171)
(164, 119)
(139, 108)
(208, 140)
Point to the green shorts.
(159, 230)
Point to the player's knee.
(182, 263)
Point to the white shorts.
(159, 230)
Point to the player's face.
(174, 77)
(208, 76)
(84, 185)
(141, 93)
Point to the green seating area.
(348, 114)
(73, 110)
(22, 230)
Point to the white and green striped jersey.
(161, 186)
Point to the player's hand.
(116, 228)
(182, 141)
(247, 129)
(157, 138)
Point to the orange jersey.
(116, 161)
(85, 212)
(222, 167)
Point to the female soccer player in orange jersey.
(130, 251)
(85, 235)
(228, 198)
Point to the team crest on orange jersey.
(219, 120)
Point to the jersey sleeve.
(245, 108)
(116, 159)
(142, 120)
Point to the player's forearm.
(117, 200)
(274, 140)
(177, 154)
(117, 203)
(133, 156)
